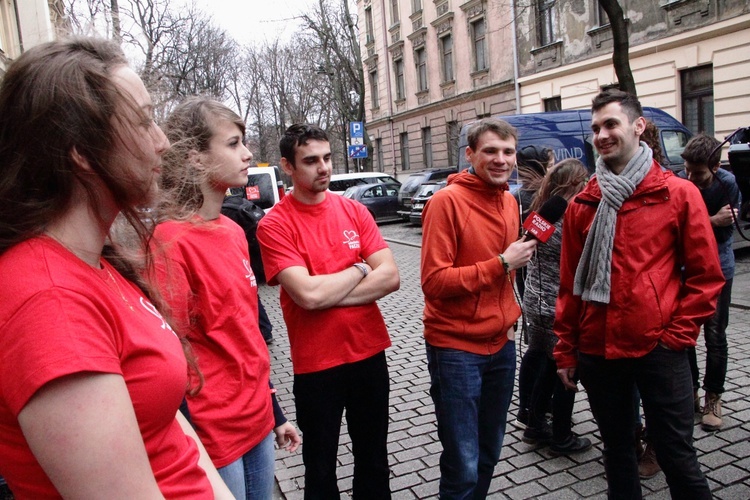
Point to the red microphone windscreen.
(541, 225)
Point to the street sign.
(356, 130)
(358, 151)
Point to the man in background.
(721, 195)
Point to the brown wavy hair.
(56, 98)
(566, 178)
(189, 127)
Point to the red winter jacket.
(661, 229)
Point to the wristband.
(362, 268)
(506, 266)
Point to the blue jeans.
(471, 393)
(663, 379)
(717, 350)
(252, 475)
(361, 389)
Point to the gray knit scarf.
(593, 278)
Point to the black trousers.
(361, 391)
(664, 382)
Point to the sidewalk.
(524, 471)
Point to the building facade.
(690, 58)
(430, 66)
(25, 23)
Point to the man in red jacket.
(639, 275)
(469, 251)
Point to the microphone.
(541, 225)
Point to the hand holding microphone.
(538, 228)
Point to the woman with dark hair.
(533, 163)
(204, 273)
(565, 179)
(91, 375)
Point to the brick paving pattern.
(524, 471)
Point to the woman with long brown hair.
(205, 275)
(566, 179)
(91, 375)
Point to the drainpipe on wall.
(388, 85)
(516, 85)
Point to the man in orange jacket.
(469, 254)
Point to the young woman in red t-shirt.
(91, 376)
(203, 270)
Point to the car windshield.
(674, 143)
(349, 193)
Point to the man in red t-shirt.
(332, 264)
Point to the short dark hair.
(502, 128)
(628, 102)
(298, 135)
(702, 150)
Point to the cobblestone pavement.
(524, 471)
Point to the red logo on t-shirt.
(352, 239)
(252, 192)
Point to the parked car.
(342, 182)
(420, 199)
(413, 182)
(381, 200)
(264, 186)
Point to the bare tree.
(620, 54)
(336, 42)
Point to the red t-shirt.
(60, 316)
(204, 274)
(325, 238)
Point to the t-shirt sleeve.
(56, 333)
(277, 249)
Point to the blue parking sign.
(356, 130)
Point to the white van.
(342, 182)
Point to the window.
(368, 26)
(427, 147)
(379, 154)
(399, 68)
(698, 99)
(374, 94)
(420, 56)
(404, 137)
(478, 32)
(394, 12)
(453, 134)
(416, 6)
(545, 22)
(601, 15)
(9, 44)
(446, 56)
(553, 104)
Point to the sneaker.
(541, 435)
(711, 420)
(573, 444)
(522, 419)
(697, 402)
(648, 467)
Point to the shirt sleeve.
(277, 249)
(56, 333)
